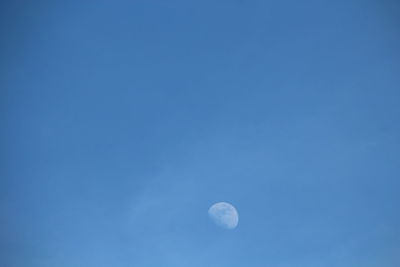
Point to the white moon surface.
(224, 214)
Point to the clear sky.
(122, 122)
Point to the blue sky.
(123, 121)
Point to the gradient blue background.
(123, 121)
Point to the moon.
(224, 214)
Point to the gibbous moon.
(224, 214)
